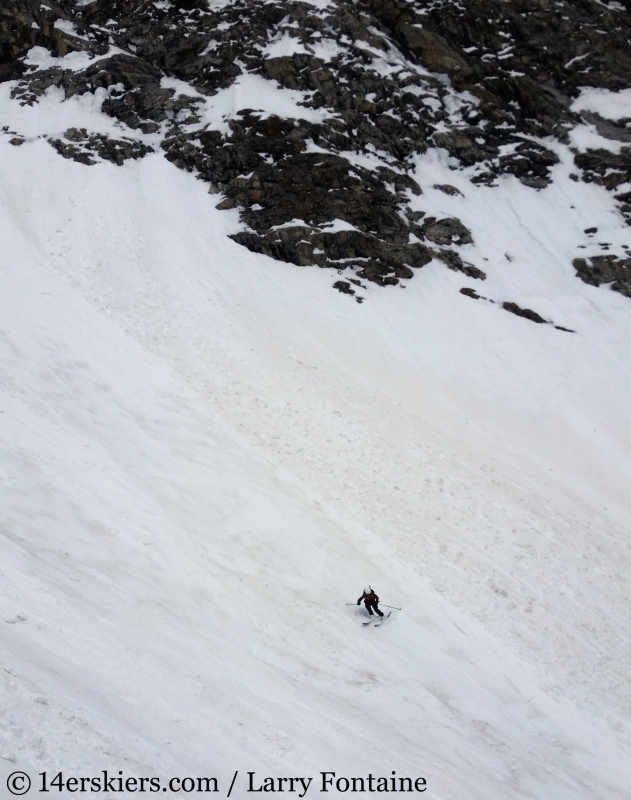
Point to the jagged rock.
(604, 167)
(35, 84)
(344, 287)
(487, 177)
(131, 72)
(28, 23)
(618, 131)
(536, 54)
(609, 170)
(304, 246)
(145, 107)
(462, 146)
(466, 290)
(527, 313)
(513, 308)
(530, 163)
(455, 263)
(609, 269)
(448, 189)
(81, 146)
(136, 98)
(517, 66)
(71, 151)
(315, 188)
(446, 231)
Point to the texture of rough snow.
(197, 476)
(207, 454)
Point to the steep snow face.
(197, 476)
(207, 453)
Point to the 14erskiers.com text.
(19, 783)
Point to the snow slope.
(206, 453)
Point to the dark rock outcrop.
(80, 146)
(527, 313)
(513, 308)
(610, 170)
(336, 191)
(609, 269)
(288, 203)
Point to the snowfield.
(206, 454)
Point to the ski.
(368, 621)
(383, 619)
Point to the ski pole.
(397, 607)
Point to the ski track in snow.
(207, 453)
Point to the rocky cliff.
(324, 175)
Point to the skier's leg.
(373, 606)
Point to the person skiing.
(370, 601)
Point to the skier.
(370, 601)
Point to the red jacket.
(369, 599)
